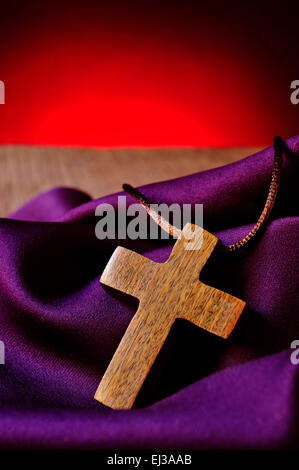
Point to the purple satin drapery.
(60, 327)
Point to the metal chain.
(279, 147)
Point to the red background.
(112, 74)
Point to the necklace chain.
(279, 148)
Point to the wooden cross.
(166, 291)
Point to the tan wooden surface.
(27, 171)
(166, 291)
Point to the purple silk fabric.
(60, 327)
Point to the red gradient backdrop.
(111, 74)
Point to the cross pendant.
(166, 291)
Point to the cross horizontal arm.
(213, 310)
(127, 272)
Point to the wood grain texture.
(166, 291)
(27, 171)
